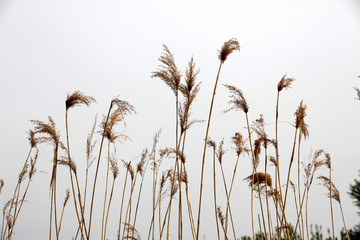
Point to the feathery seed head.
(22, 173)
(285, 83)
(114, 167)
(65, 161)
(1, 184)
(237, 99)
(47, 129)
(357, 92)
(32, 139)
(259, 179)
(211, 143)
(239, 143)
(32, 170)
(228, 47)
(299, 120)
(220, 152)
(140, 165)
(273, 160)
(257, 151)
(78, 98)
(168, 71)
(67, 196)
(220, 215)
(326, 182)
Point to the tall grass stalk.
(228, 47)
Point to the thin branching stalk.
(106, 190)
(212, 143)
(122, 203)
(108, 208)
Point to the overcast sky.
(109, 48)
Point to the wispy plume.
(78, 98)
(228, 47)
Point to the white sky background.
(110, 48)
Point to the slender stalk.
(175, 171)
(122, 201)
(342, 215)
(299, 187)
(108, 208)
(261, 232)
(71, 176)
(128, 209)
(331, 206)
(228, 200)
(230, 190)
(97, 170)
(266, 196)
(204, 152)
(215, 202)
(106, 190)
(193, 230)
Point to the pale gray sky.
(109, 48)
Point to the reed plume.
(2, 183)
(357, 92)
(78, 98)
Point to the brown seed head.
(257, 151)
(228, 47)
(326, 182)
(220, 215)
(259, 179)
(67, 196)
(237, 99)
(220, 152)
(48, 129)
(32, 170)
(239, 143)
(273, 160)
(78, 98)
(357, 92)
(140, 165)
(168, 71)
(114, 167)
(211, 143)
(328, 160)
(285, 83)
(32, 139)
(22, 173)
(1, 184)
(65, 161)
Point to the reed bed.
(174, 213)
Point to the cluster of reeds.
(170, 187)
